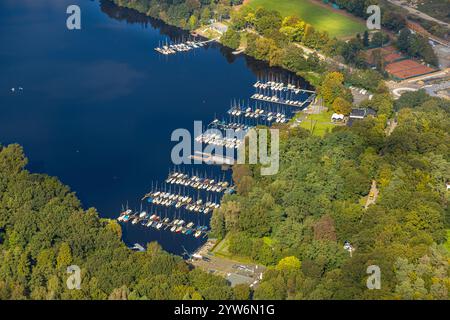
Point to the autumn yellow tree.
(342, 106)
(333, 87)
(64, 257)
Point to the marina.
(179, 199)
(281, 93)
(198, 182)
(201, 194)
(179, 188)
(223, 125)
(260, 115)
(160, 223)
(212, 159)
(112, 138)
(173, 48)
(218, 140)
(280, 86)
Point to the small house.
(361, 113)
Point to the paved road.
(417, 12)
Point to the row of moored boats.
(219, 140)
(180, 178)
(155, 221)
(260, 96)
(277, 117)
(180, 47)
(167, 199)
(237, 127)
(277, 86)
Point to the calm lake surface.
(99, 105)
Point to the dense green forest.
(307, 211)
(295, 222)
(315, 203)
(186, 14)
(43, 230)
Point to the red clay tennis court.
(388, 53)
(407, 69)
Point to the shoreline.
(305, 77)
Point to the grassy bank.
(323, 18)
(318, 124)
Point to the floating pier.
(212, 159)
(222, 125)
(168, 49)
(156, 222)
(197, 182)
(285, 94)
(280, 86)
(259, 113)
(219, 140)
(178, 201)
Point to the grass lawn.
(318, 123)
(321, 18)
(221, 250)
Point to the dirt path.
(391, 127)
(373, 194)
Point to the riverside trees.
(44, 229)
(315, 203)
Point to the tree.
(293, 59)
(267, 21)
(342, 106)
(205, 16)
(241, 292)
(378, 39)
(333, 87)
(366, 39)
(218, 227)
(288, 264)
(324, 229)
(64, 258)
(403, 39)
(193, 23)
(383, 104)
(231, 38)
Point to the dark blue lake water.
(98, 105)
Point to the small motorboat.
(142, 214)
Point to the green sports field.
(322, 18)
